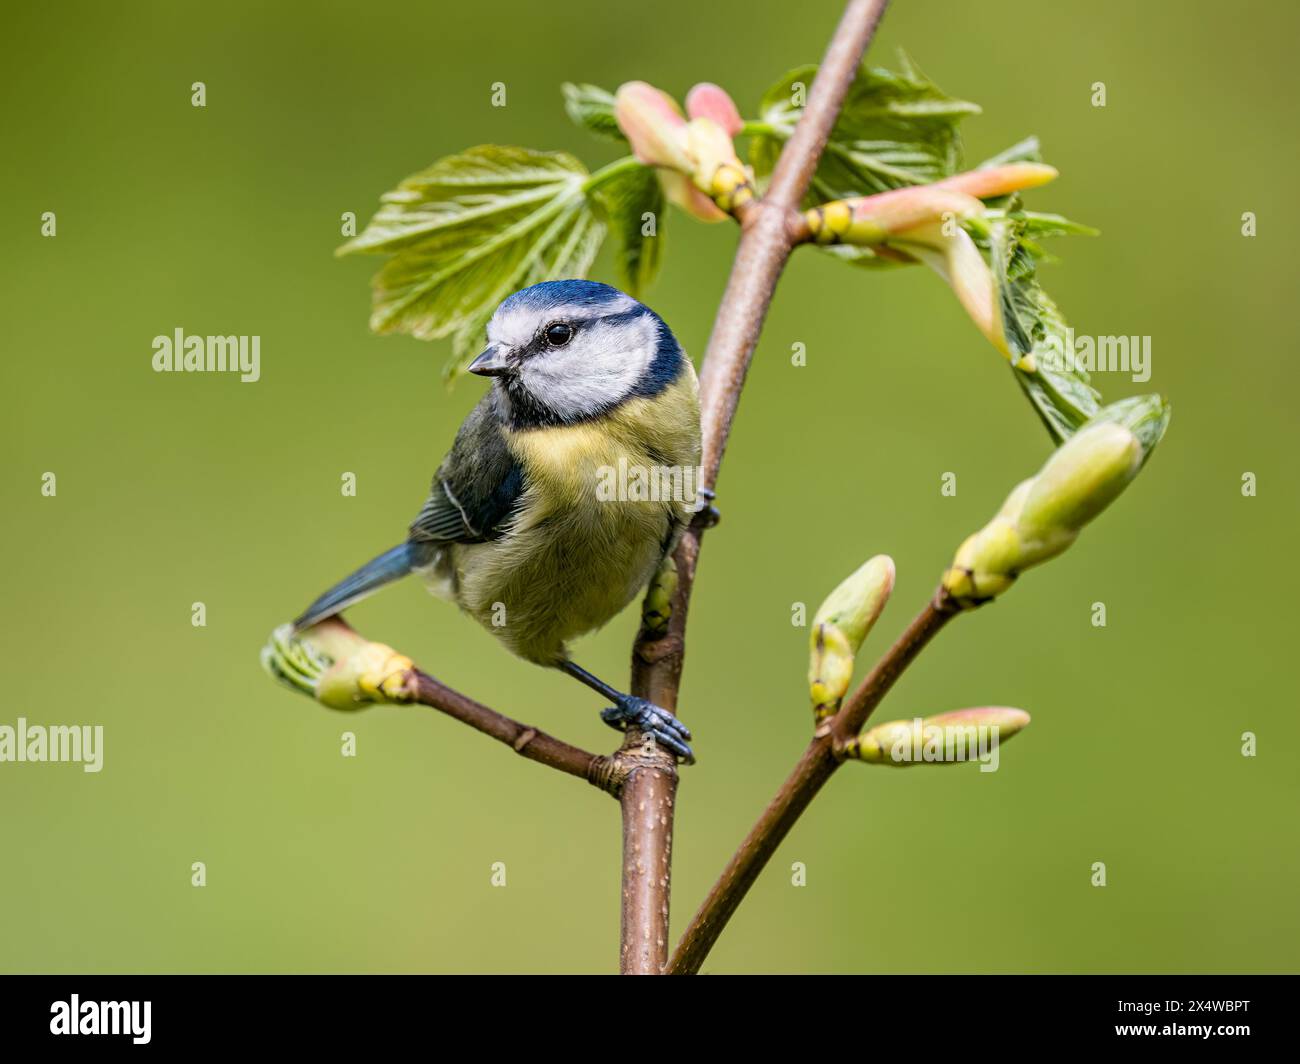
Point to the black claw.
(706, 514)
(649, 718)
(679, 748)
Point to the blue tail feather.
(391, 565)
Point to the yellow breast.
(645, 450)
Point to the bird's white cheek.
(578, 381)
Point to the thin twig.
(814, 768)
(604, 773)
(768, 229)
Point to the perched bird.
(516, 530)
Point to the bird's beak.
(491, 363)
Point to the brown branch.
(814, 768)
(769, 227)
(605, 773)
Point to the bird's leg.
(631, 711)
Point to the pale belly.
(558, 576)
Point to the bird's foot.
(667, 730)
(706, 514)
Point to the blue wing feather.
(475, 492)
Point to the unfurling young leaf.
(469, 231)
(896, 129)
(339, 667)
(1025, 151)
(1033, 327)
(592, 108)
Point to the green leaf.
(1026, 151)
(1060, 392)
(1037, 224)
(592, 108)
(1034, 226)
(1147, 416)
(470, 230)
(625, 199)
(896, 129)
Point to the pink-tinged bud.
(707, 100)
(653, 126)
(1007, 720)
(902, 210)
(947, 738)
(710, 146)
(906, 213)
(718, 172)
(681, 192)
(1000, 180)
(971, 280)
(696, 160)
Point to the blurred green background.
(180, 488)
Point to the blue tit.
(525, 528)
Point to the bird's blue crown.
(551, 295)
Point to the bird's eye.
(559, 333)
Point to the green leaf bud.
(839, 629)
(946, 738)
(1045, 514)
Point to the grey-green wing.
(477, 487)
